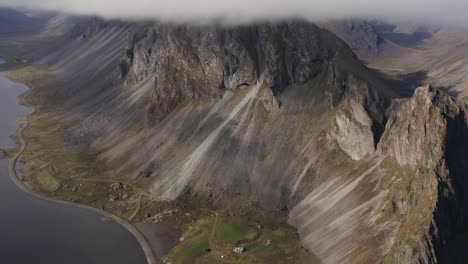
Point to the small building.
(268, 242)
(239, 249)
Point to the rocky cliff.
(427, 133)
(284, 113)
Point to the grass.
(191, 250)
(285, 247)
(232, 230)
(47, 181)
(241, 222)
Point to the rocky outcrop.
(357, 119)
(353, 132)
(417, 129)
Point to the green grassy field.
(232, 230)
(47, 181)
(212, 238)
(195, 248)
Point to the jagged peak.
(435, 97)
(416, 130)
(428, 88)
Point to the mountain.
(372, 39)
(422, 54)
(284, 113)
(362, 36)
(13, 22)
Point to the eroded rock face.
(353, 130)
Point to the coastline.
(143, 242)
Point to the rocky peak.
(418, 127)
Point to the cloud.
(433, 11)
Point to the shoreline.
(142, 241)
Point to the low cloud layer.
(433, 11)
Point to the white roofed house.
(240, 249)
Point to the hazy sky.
(445, 11)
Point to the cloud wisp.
(432, 11)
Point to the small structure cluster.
(117, 191)
(118, 186)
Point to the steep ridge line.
(150, 258)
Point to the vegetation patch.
(265, 236)
(47, 181)
(193, 249)
(232, 230)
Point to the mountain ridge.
(285, 113)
